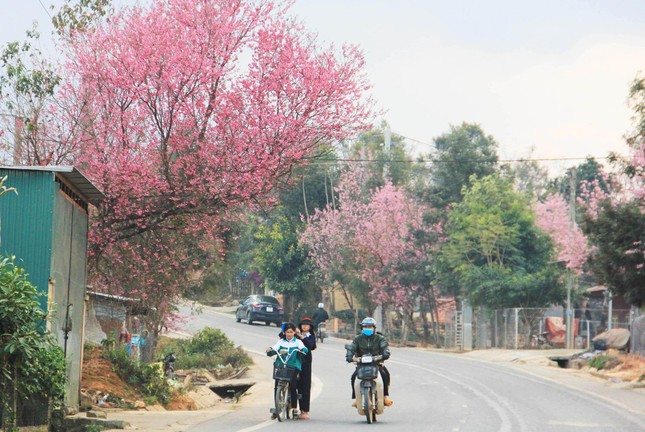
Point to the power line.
(422, 160)
(46, 11)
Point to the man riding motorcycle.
(320, 315)
(369, 342)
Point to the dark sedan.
(260, 308)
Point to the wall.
(25, 223)
(68, 273)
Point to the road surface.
(432, 391)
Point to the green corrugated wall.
(26, 220)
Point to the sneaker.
(354, 403)
(387, 401)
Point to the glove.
(349, 358)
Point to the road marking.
(258, 426)
(502, 409)
(579, 424)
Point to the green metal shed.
(45, 226)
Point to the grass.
(604, 361)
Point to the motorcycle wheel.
(367, 405)
(281, 408)
(321, 337)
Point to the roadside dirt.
(99, 380)
(620, 366)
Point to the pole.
(387, 144)
(517, 327)
(572, 217)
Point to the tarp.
(556, 330)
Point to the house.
(45, 227)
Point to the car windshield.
(266, 299)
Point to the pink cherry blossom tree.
(553, 218)
(188, 110)
(371, 236)
(329, 235)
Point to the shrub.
(604, 361)
(147, 376)
(207, 349)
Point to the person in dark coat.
(305, 332)
(371, 342)
(320, 315)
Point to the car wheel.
(249, 319)
(237, 317)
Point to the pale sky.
(553, 74)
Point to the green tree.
(463, 152)
(500, 257)
(27, 86)
(618, 256)
(528, 177)
(31, 364)
(588, 171)
(282, 261)
(394, 166)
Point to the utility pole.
(386, 149)
(387, 141)
(572, 219)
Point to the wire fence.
(512, 328)
(528, 328)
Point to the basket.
(284, 373)
(367, 372)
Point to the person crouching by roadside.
(305, 332)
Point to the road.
(432, 391)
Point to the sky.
(546, 79)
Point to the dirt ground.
(98, 378)
(622, 366)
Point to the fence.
(525, 328)
(513, 328)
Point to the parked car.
(260, 308)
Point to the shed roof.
(115, 298)
(70, 174)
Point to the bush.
(604, 361)
(207, 349)
(31, 363)
(147, 376)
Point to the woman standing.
(305, 332)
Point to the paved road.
(432, 392)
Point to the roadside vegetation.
(209, 349)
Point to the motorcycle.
(168, 363)
(368, 386)
(321, 332)
(540, 340)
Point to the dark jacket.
(319, 315)
(374, 345)
(310, 343)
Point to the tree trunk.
(11, 407)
